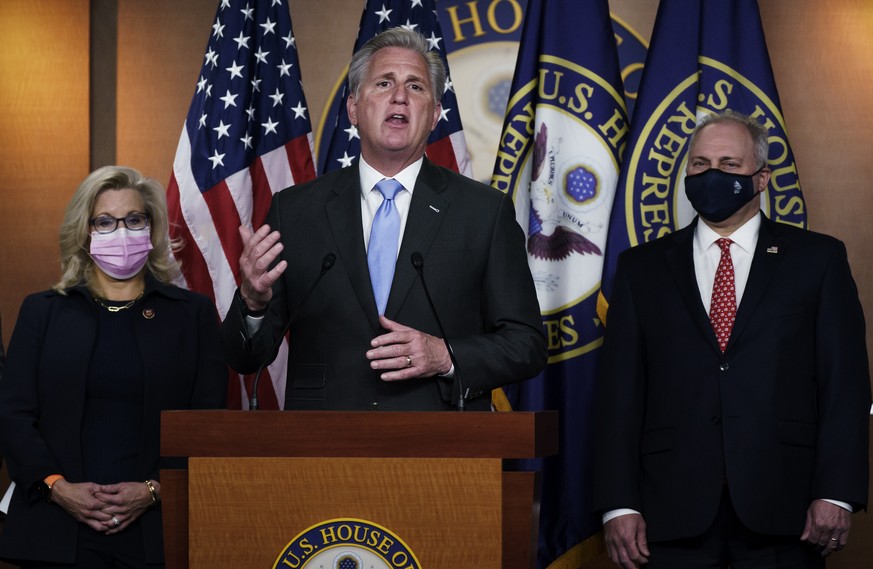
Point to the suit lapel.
(426, 212)
(344, 217)
(680, 260)
(764, 263)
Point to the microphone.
(326, 264)
(418, 264)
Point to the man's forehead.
(394, 56)
(393, 73)
(729, 139)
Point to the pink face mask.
(122, 253)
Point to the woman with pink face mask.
(91, 364)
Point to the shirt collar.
(370, 176)
(746, 236)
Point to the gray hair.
(75, 235)
(757, 131)
(406, 39)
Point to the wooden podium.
(257, 480)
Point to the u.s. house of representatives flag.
(247, 135)
(559, 157)
(340, 144)
(704, 57)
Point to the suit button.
(716, 420)
(724, 367)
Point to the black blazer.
(2, 352)
(42, 397)
(782, 417)
(476, 269)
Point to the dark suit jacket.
(42, 397)
(476, 269)
(2, 353)
(781, 417)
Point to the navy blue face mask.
(717, 195)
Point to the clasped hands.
(401, 353)
(100, 506)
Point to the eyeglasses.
(132, 221)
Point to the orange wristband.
(51, 479)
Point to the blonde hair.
(75, 235)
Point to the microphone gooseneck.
(327, 264)
(418, 264)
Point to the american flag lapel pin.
(773, 249)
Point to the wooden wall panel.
(820, 50)
(43, 139)
(160, 49)
(821, 58)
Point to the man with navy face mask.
(734, 398)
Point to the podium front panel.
(288, 512)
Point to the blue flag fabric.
(704, 57)
(446, 145)
(559, 157)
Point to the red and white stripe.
(208, 224)
(451, 152)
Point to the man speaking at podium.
(341, 261)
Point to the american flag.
(446, 145)
(247, 136)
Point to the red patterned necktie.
(723, 308)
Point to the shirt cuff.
(253, 323)
(611, 514)
(843, 505)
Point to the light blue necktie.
(382, 249)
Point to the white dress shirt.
(371, 198)
(707, 256)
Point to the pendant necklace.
(111, 308)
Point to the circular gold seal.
(346, 543)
